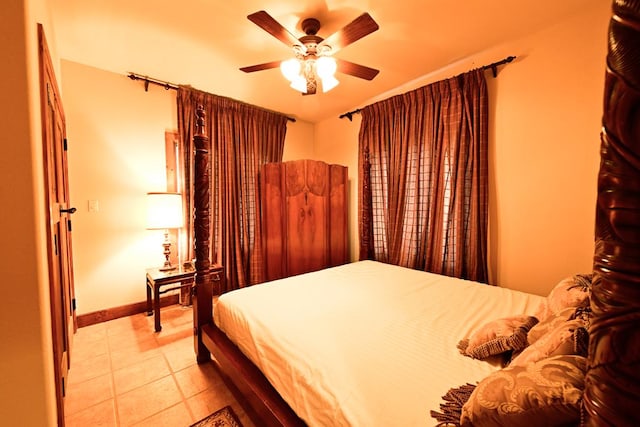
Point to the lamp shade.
(290, 69)
(326, 67)
(164, 210)
(299, 84)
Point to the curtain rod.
(166, 85)
(494, 71)
(147, 80)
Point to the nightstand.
(157, 283)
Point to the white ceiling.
(203, 43)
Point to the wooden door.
(63, 320)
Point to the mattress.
(367, 343)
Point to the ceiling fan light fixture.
(326, 67)
(312, 63)
(300, 84)
(290, 69)
(329, 83)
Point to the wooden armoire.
(304, 217)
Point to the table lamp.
(164, 211)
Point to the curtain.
(242, 138)
(424, 198)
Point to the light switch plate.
(93, 205)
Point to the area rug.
(224, 417)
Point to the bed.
(339, 328)
(398, 380)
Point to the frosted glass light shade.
(329, 83)
(300, 84)
(164, 210)
(326, 67)
(290, 69)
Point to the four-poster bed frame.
(612, 382)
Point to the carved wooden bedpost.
(366, 209)
(203, 287)
(612, 384)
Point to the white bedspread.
(365, 344)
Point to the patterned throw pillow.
(573, 292)
(545, 393)
(564, 334)
(497, 337)
(550, 323)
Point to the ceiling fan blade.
(260, 67)
(355, 30)
(356, 70)
(265, 21)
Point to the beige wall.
(26, 365)
(544, 139)
(299, 142)
(546, 154)
(116, 155)
(337, 142)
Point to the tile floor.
(125, 374)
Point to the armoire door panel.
(306, 234)
(308, 205)
(338, 237)
(317, 178)
(273, 221)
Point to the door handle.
(69, 211)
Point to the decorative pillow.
(573, 292)
(569, 337)
(550, 323)
(545, 393)
(498, 336)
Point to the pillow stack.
(544, 381)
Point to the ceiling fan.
(313, 59)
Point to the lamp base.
(168, 268)
(167, 252)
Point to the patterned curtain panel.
(424, 203)
(242, 137)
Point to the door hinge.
(73, 304)
(64, 144)
(64, 389)
(48, 94)
(69, 225)
(55, 244)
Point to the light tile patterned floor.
(125, 374)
